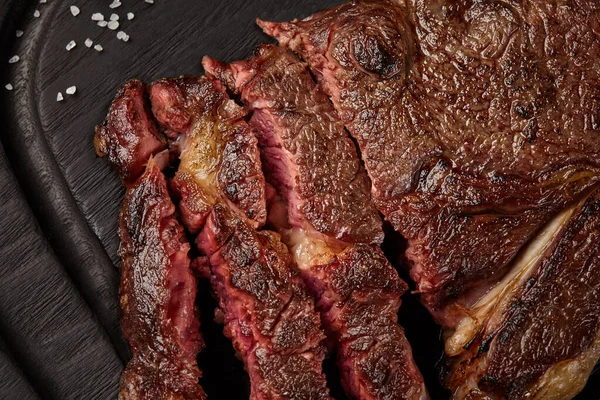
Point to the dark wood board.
(59, 335)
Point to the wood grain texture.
(59, 215)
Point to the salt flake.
(71, 90)
(14, 59)
(89, 42)
(9, 86)
(98, 47)
(19, 33)
(71, 45)
(114, 17)
(113, 25)
(130, 16)
(115, 4)
(36, 13)
(74, 10)
(102, 24)
(59, 97)
(97, 17)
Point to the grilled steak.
(478, 122)
(128, 136)
(157, 295)
(326, 217)
(268, 312)
(157, 290)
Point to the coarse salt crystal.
(9, 86)
(36, 13)
(97, 17)
(112, 25)
(149, 1)
(71, 45)
(115, 4)
(74, 10)
(89, 42)
(98, 47)
(14, 59)
(71, 90)
(59, 97)
(122, 36)
(102, 24)
(43, 1)
(19, 33)
(114, 17)
(130, 16)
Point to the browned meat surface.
(128, 136)
(324, 213)
(268, 313)
(479, 125)
(471, 117)
(548, 337)
(217, 149)
(157, 295)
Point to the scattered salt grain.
(59, 97)
(112, 25)
(97, 17)
(74, 10)
(43, 1)
(102, 24)
(14, 59)
(130, 16)
(71, 45)
(114, 17)
(115, 4)
(9, 86)
(122, 36)
(36, 13)
(19, 33)
(89, 42)
(71, 90)
(149, 1)
(98, 47)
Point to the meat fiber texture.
(157, 294)
(478, 123)
(325, 214)
(157, 289)
(269, 314)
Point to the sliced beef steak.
(479, 125)
(268, 312)
(157, 295)
(323, 211)
(218, 150)
(128, 136)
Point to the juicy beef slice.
(305, 149)
(218, 150)
(129, 135)
(328, 221)
(157, 294)
(268, 313)
(477, 122)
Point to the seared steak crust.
(305, 148)
(128, 136)
(480, 114)
(269, 315)
(218, 150)
(157, 294)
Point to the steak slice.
(218, 150)
(268, 312)
(269, 315)
(157, 294)
(478, 123)
(326, 217)
(129, 135)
